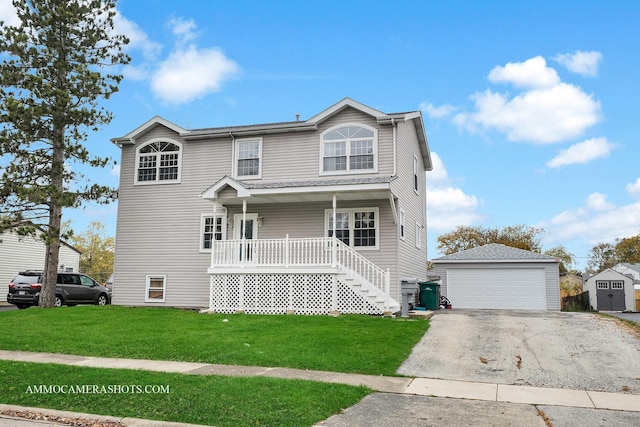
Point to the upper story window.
(416, 182)
(348, 149)
(247, 163)
(158, 162)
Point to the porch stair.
(370, 294)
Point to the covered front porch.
(303, 275)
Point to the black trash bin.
(429, 295)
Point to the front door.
(250, 230)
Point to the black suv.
(71, 289)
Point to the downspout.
(233, 155)
(394, 128)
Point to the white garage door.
(505, 288)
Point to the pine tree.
(53, 74)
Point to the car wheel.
(102, 300)
(22, 306)
(58, 301)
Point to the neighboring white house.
(28, 253)
(629, 269)
(496, 276)
(610, 290)
(310, 216)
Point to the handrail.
(299, 252)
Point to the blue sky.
(529, 106)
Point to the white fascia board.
(346, 102)
(493, 261)
(319, 189)
(211, 193)
(130, 138)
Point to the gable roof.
(495, 252)
(610, 270)
(284, 127)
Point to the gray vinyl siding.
(28, 253)
(412, 261)
(551, 275)
(158, 227)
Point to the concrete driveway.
(579, 351)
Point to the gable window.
(248, 156)
(155, 289)
(348, 149)
(211, 229)
(158, 162)
(354, 227)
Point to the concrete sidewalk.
(516, 394)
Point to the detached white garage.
(496, 276)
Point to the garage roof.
(495, 252)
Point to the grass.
(209, 400)
(351, 344)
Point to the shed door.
(610, 295)
(497, 288)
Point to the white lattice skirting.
(280, 293)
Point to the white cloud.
(585, 63)
(183, 29)
(545, 111)
(138, 39)
(598, 202)
(191, 74)
(634, 189)
(582, 152)
(448, 206)
(532, 73)
(437, 112)
(598, 220)
(8, 13)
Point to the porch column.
(213, 237)
(333, 242)
(243, 249)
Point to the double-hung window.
(357, 227)
(348, 149)
(211, 229)
(155, 288)
(248, 158)
(158, 162)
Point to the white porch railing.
(300, 252)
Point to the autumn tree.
(628, 249)
(567, 259)
(464, 237)
(601, 257)
(53, 73)
(97, 249)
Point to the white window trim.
(157, 181)
(416, 177)
(351, 212)
(203, 216)
(418, 235)
(403, 228)
(349, 172)
(148, 287)
(236, 152)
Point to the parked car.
(109, 285)
(71, 289)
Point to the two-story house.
(317, 216)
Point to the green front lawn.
(209, 400)
(352, 344)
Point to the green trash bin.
(429, 295)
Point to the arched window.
(158, 161)
(349, 148)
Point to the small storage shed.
(496, 276)
(610, 290)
